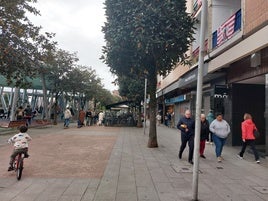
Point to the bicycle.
(18, 165)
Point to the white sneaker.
(258, 161)
(240, 157)
(219, 159)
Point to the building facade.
(235, 79)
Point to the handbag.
(256, 133)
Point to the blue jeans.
(219, 143)
(66, 122)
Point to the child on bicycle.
(20, 141)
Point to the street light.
(199, 99)
(144, 104)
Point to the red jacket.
(247, 127)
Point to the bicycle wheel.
(20, 168)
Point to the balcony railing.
(226, 30)
(195, 53)
(196, 6)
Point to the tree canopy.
(147, 38)
(26, 52)
(18, 55)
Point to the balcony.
(227, 30)
(196, 6)
(195, 53)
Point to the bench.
(40, 122)
(13, 124)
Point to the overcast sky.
(77, 24)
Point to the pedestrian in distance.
(20, 141)
(204, 134)
(81, 118)
(28, 113)
(100, 118)
(248, 138)
(220, 129)
(89, 118)
(187, 125)
(210, 118)
(158, 118)
(67, 116)
(20, 113)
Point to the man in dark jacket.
(186, 125)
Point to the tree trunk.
(45, 99)
(139, 123)
(55, 122)
(14, 103)
(152, 81)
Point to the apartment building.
(235, 78)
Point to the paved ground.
(126, 169)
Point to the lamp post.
(144, 104)
(199, 99)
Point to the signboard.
(221, 91)
(176, 99)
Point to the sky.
(77, 24)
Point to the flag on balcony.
(226, 30)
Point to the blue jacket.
(189, 123)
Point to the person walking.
(248, 127)
(220, 129)
(28, 114)
(210, 118)
(20, 113)
(100, 118)
(88, 117)
(187, 125)
(204, 134)
(67, 116)
(81, 118)
(158, 118)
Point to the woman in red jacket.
(248, 138)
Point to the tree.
(17, 36)
(147, 37)
(60, 64)
(132, 89)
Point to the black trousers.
(190, 140)
(251, 143)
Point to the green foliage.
(141, 35)
(17, 36)
(26, 53)
(146, 37)
(131, 88)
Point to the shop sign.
(221, 91)
(176, 99)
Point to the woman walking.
(220, 129)
(204, 133)
(248, 138)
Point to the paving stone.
(126, 196)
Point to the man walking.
(186, 125)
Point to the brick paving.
(132, 172)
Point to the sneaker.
(257, 161)
(191, 162)
(10, 168)
(26, 155)
(219, 159)
(179, 156)
(202, 156)
(240, 157)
